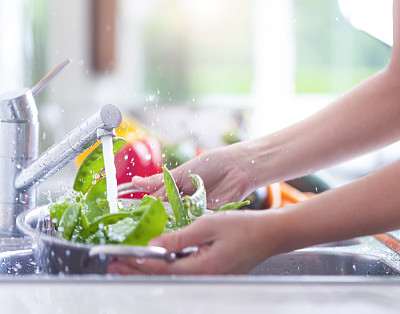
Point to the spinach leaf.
(102, 222)
(181, 215)
(93, 165)
(144, 203)
(118, 232)
(151, 225)
(197, 203)
(232, 206)
(68, 221)
(96, 201)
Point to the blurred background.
(200, 72)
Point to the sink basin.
(364, 256)
(325, 263)
(16, 257)
(356, 257)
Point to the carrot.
(285, 202)
(274, 198)
(389, 241)
(292, 194)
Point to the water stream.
(111, 179)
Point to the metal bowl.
(55, 256)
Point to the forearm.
(369, 205)
(363, 120)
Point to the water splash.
(111, 176)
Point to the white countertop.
(230, 294)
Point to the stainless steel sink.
(356, 257)
(363, 257)
(325, 263)
(16, 257)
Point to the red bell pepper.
(142, 157)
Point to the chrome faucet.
(21, 170)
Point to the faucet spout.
(69, 147)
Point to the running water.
(111, 175)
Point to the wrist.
(260, 160)
(273, 234)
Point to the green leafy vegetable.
(95, 201)
(85, 216)
(119, 231)
(175, 200)
(151, 225)
(68, 221)
(93, 165)
(232, 206)
(197, 203)
(102, 222)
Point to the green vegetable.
(96, 201)
(175, 200)
(119, 231)
(197, 203)
(68, 221)
(57, 211)
(232, 206)
(143, 205)
(85, 217)
(151, 225)
(103, 221)
(93, 165)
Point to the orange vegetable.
(285, 202)
(292, 194)
(274, 198)
(389, 241)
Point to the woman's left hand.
(231, 242)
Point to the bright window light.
(372, 16)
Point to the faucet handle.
(39, 86)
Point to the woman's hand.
(225, 181)
(231, 242)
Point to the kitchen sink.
(359, 257)
(364, 256)
(16, 257)
(325, 263)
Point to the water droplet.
(150, 97)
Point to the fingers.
(121, 268)
(193, 264)
(153, 184)
(198, 233)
